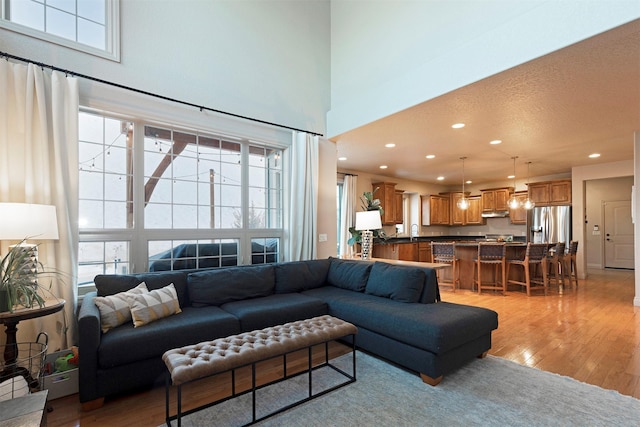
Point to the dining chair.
(534, 268)
(570, 266)
(555, 261)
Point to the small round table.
(11, 320)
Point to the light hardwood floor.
(591, 333)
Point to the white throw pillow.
(154, 305)
(115, 309)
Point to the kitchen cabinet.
(474, 211)
(435, 209)
(424, 251)
(519, 215)
(399, 213)
(398, 251)
(550, 193)
(470, 216)
(387, 195)
(495, 199)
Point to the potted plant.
(18, 284)
(368, 204)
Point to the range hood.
(495, 214)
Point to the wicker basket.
(25, 374)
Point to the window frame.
(182, 119)
(112, 37)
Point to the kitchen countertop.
(461, 240)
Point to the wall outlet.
(322, 237)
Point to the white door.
(618, 235)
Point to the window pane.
(66, 5)
(102, 258)
(27, 13)
(92, 34)
(157, 216)
(180, 255)
(94, 10)
(264, 250)
(61, 24)
(91, 214)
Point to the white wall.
(387, 55)
(264, 59)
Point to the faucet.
(414, 231)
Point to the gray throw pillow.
(399, 283)
(219, 286)
(349, 274)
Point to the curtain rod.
(155, 95)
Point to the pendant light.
(528, 203)
(463, 202)
(513, 201)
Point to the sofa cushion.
(109, 284)
(153, 305)
(397, 282)
(349, 274)
(222, 285)
(126, 344)
(115, 309)
(278, 309)
(297, 276)
(437, 327)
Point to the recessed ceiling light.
(468, 182)
(430, 156)
(440, 178)
(594, 155)
(458, 125)
(495, 142)
(390, 145)
(383, 166)
(511, 176)
(342, 158)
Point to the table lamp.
(365, 222)
(22, 221)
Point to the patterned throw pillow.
(115, 309)
(154, 305)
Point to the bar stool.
(495, 255)
(570, 267)
(535, 261)
(445, 253)
(555, 260)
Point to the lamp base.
(367, 244)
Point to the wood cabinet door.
(539, 193)
(560, 192)
(488, 201)
(424, 252)
(519, 216)
(387, 195)
(474, 212)
(501, 199)
(443, 215)
(399, 212)
(458, 216)
(408, 251)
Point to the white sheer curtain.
(303, 206)
(348, 212)
(39, 164)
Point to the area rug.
(486, 392)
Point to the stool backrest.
(443, 250)
(573, 248)
(558, 250)
(536, 251)
(492, 250)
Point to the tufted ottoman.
(198, 361)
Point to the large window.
(159, 197)
(88, 25)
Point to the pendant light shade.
(513, 201)
(463, 202)
(528, 204)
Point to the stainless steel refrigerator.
(549, 224)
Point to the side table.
(11, 320)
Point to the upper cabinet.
(435, 210)
(399, 206)
(470, 216)
(388, 196)
(474, 211)
(550, 192)
(495, 199)
(519, 215)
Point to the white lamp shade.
(369, 220)
(20, 221)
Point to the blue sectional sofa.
(397, 310)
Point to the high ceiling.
(552, 111)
